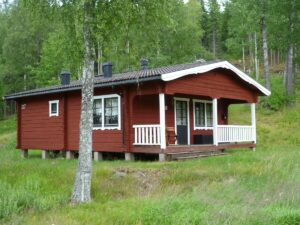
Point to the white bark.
(256, 58)
(265, 52)
(214, 47)
(82, 185)
(250, 53)
(99, 59)
(289, 70)
(243, 50)
(25, 82)
(289, 64)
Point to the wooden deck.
(171, 149)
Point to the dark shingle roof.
(116, 79)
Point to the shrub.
(278, 96)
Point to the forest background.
(40, 38)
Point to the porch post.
(253, 122)
(162, 120)
(215, 121)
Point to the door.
(181, 111)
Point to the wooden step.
(192, 155)
(197, 157)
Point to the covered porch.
(188, 124)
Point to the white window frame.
(50, 107)
(205, 116)
(102, 97)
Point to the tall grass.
(243, 187)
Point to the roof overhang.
(78, 87)
(209, 67)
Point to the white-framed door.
(182, 120)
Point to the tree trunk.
(25, 82)
(99, 59)
(256, 58)
(214, 42)
(273, 58)
(270, 58)
(250, 53)
(82, 185)
(289, 63)
(265, 52)
(289, 70)
(243, 50)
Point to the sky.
(221, 2)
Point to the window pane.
(181, 113)
(199, 114)
(209, 114)
(111, 110)
(53, 108)
(97, 113)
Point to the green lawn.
(243, 187)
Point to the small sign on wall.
(23, 106)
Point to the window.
(53, 108)
(203, 114)
(106, 112)
(97, 113)
(181, 113)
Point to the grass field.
(243, 187)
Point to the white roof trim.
(209, 67)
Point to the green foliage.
(8, 125)
(39, 39)
(279, 96)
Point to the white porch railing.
(235, 133)
(150, 134)
(146, 134)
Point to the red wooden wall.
(139, 105)
(36, 129)
(103, 140)
(215, 84)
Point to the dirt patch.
(145, 180)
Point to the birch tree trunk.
(270, 58)
(243, 51)
(99, 58)
(82, 185)
(289, 70)
(256, 58)
(250, 53)
(214, 42)
(265, 52)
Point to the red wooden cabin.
(163, 111)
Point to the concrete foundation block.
(45, 154)
(24, 153)
(69, 155)
(253, 149)
(162, 157)
(129, 156)
(98, 156)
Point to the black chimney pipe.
(107, 69)
(144, 64)
(65, 77)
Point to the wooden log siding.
(37, 129)
(103, 140)
(215, 84)
(139, 105)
